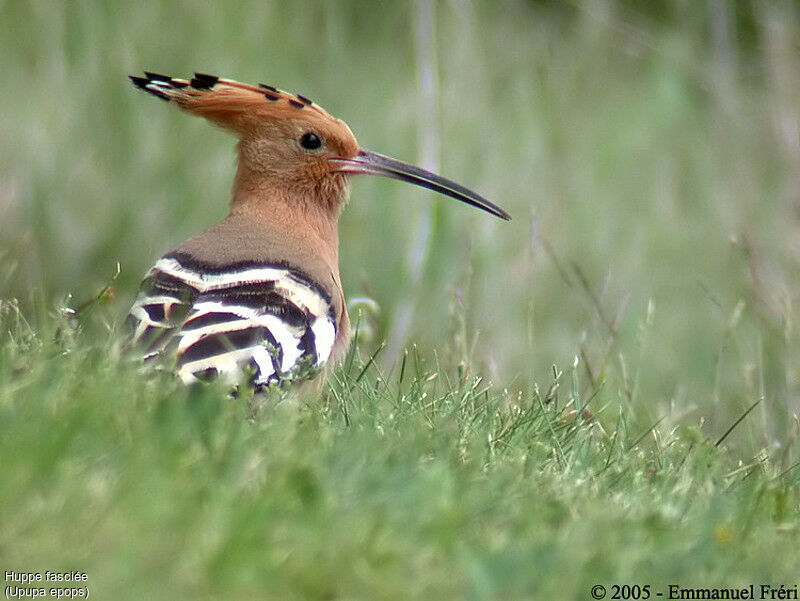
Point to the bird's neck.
(294, 210)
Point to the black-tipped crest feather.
(202, 81)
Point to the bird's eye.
(310, 141)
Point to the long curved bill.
(373, 163)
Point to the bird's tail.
(235, 106)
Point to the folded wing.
(267, 320)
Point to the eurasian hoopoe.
(260, 291)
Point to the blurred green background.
(647, 152)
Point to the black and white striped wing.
(159, 311)
(218, 321)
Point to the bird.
(258, 296)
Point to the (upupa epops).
(258, 295)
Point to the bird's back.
(218, 304)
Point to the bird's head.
(290, 144)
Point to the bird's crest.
(230, 104)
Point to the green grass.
(649, 157)
(416, 485)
